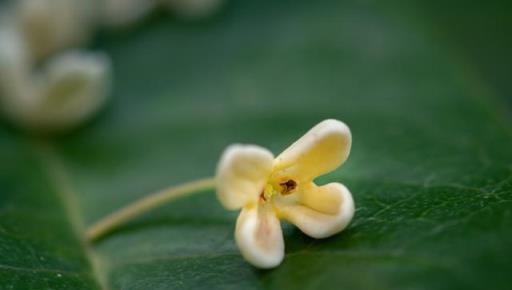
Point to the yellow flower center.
(284, 187)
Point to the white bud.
(121, 13)
(51, 25)
(74, 86)
(67, 91)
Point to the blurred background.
(135, 96)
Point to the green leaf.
(430, 170)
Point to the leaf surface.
(430, 169)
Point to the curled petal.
(51, 25)
(241, 174)
(74, 87)
(121, 13)
(259, 236)
(315, 217)
(70, 89)
(321, 150)
(325, 199)
(15, 67)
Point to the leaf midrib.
(54, 169)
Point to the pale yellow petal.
(69, 90)
(321, 150)
(122, 13)
(315, 218)
(49, 26)
(259, 236)
(242, 173)
(74, 87)
(325, 199)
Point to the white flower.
(49, 26)
(268, 189)
(122, 13)
(67, 91)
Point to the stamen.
(267, 192)
(288, 186)
(262, 196)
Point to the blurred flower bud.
(74, 86)
(66, 92)
(121, 13)
(51, 25)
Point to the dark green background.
(423, 86)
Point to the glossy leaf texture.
(430, 169)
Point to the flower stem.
(145, 204)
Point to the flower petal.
(16, 97)
(315, 217)
(122, 13)
(241, 175)
(75, 86)
(259, 236)
(325, 199)
(49, 26)
(321, 150)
